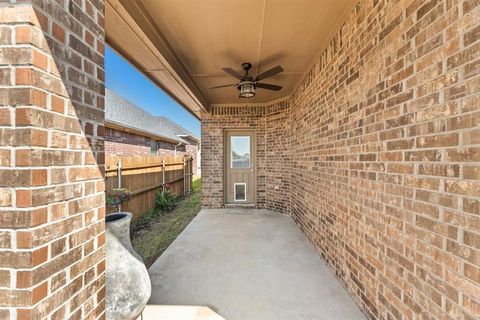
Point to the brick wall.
(383, 157)
(51, 157)
(278, 151)
(212, 161)
(271, 150)
(121, 143)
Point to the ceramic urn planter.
(128, 285)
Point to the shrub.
(164, 199)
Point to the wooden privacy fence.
(144, 176)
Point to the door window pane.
(240, 190)
(240, 146)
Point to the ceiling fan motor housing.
(246, 66)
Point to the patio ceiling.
(182, 44)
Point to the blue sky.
(124, 79)
(241, 145)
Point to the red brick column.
(51, 160)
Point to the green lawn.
(153, 232)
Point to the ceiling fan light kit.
(247, 89)
(248, 84)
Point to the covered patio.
(248, 264)
(368, 140)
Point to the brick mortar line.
(6, 208)
(66, 302)
(49, 243)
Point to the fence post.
(119, 179)
(163, 174)
(184, 177)
(191, 174)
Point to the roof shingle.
(122, 112)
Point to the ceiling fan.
(248, 83)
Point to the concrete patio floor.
(250, 264)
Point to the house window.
(240, 152)
(153, 147)
(240, 191)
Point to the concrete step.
(165, 312)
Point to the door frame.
(253, 131)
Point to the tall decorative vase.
(128, 286)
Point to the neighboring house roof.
(177, 129)
(123, 113)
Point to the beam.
(131, 32)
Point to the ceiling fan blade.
(268, 86)
(223, 86)
(232, 72)
(268, 73)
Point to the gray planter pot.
(128, 286)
